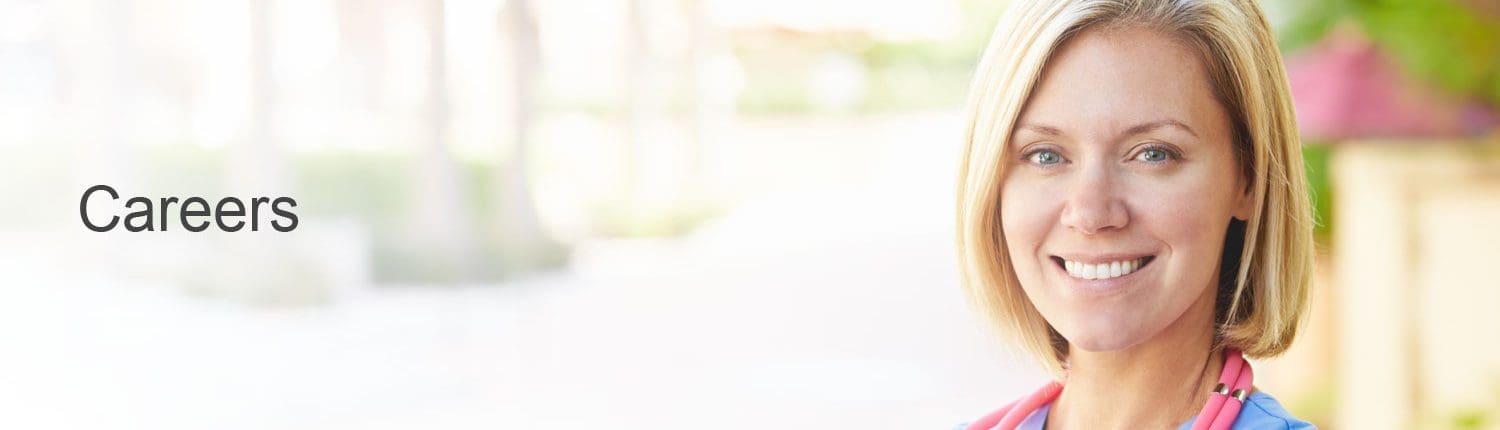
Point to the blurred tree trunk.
(698, 119)
(443, 220)
(251, 268)
(362, 46)
(638, 104)
(256, 165)
(119, 77)
(707, 112)
(662, 174)
(96, 56)
(524, 242)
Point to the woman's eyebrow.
(1133, 130)
(1043, 129)
(1148, 126)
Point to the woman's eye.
(1153, 155)
(1044, 157)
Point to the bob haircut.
(1267, 260)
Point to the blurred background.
(650, 214)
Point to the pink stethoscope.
(1217, 414)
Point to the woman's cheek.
(1028, 211)
(1183, 211)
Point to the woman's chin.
(1103, 339)
(1101, 345)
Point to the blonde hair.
(1259, 311)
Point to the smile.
(1106, 270)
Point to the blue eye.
(1045, 157)
(1155, 155)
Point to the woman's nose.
(1093, 202)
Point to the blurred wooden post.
(1374, 280)
(1415, 244)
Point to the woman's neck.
(1159, 383)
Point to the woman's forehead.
(1118, 77)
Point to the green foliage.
(1311, 20)
(1316, 404)
(1469, 418)
(1439, 41)
(902, 75)
(376, 188)
(372, 186)
(1315, 158)
(930, 74)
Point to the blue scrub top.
(1261, 412)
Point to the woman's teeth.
(1108, 270)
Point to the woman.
(1133, 211)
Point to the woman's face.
(1120, 184)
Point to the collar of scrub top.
(1235, 382)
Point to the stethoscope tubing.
(1236, 381)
